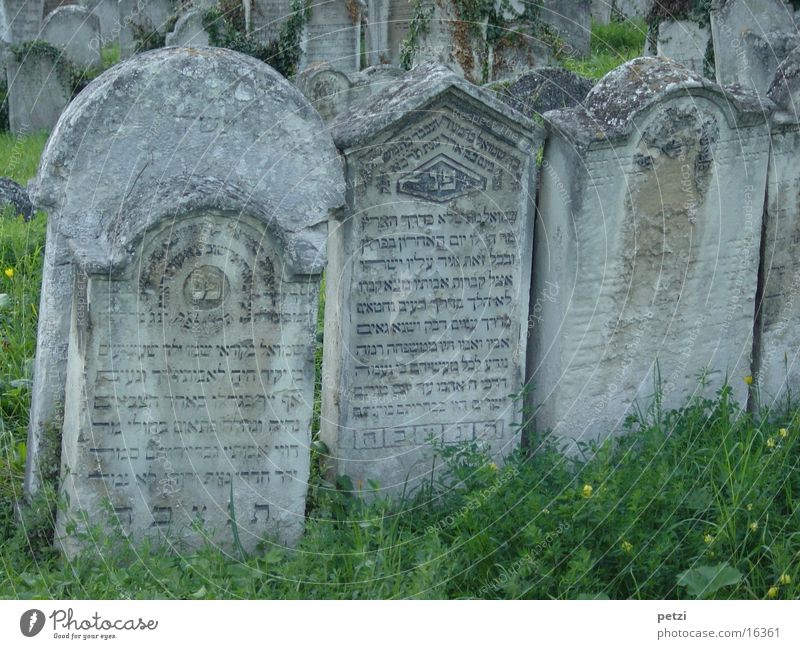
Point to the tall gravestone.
(751, 37)
(140, 18)
(185, 244)
(428, 279)
(333, 35)
(76, 31)
(38, 90)
(646, 256)
(571, 22)
(23, 20)
(777, 363)
(377, 35)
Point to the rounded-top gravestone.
(186, 238)
(76, 30)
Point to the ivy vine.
(226, 29)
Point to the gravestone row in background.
(184, 353)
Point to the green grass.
(700, 502)
(19, 157)
(612, 45)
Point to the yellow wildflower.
(749, 507)
(785, 579)
(587, 491)
(708, 539)
(493, 466)
(783, 433)
(748, 379)
(9, 272)
(771, 442)
(772, 593)
(627, 547)
(754, 526)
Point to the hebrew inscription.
(198, 383)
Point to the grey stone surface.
(37, 91)
(539, 91)
(107, 12)
(189, 30)
(332, 91)
(193, 231)
(333, 35)
(777, 340)
(15, 195)
(601, 11)
(518, 51)
(685, 42)
(632, 9)
(400, 15)
(428, 279)
(267, 17)
(647, 250)
(459, 45)
(751, 37)
(76, 31)
(377, 34)
(571, 22)
(144, 17)
(23, 20)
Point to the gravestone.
(539, 91)
(140, 18)
(428, 280)
(400, 14)
(17, 197)
(571, 22)
(332, 92)
(189, 30)
(333, 35)
(751, 38)
(777, 340)
(191, 326)
(76, 31)
(458, 44)
(267, 17)
(23, 20)
(646, 255)
(517, 50)
(601, 11)
(37, 90)
(377, 35)
(630, 9)
(685, 42)
(107, 12)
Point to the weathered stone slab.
(76, 31)
(23, 20)
(751, 38)
(191, 328)
(777, 340)
(685, 42)
(516, 51)
(377, 35)
(539, 91)
(332, 92)
(428, 280)
(646, 256)
(37, 91)
(630, 9)
(189, 30)
(13, 194)
(601, 11)
(333, 35)
(400, 15)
